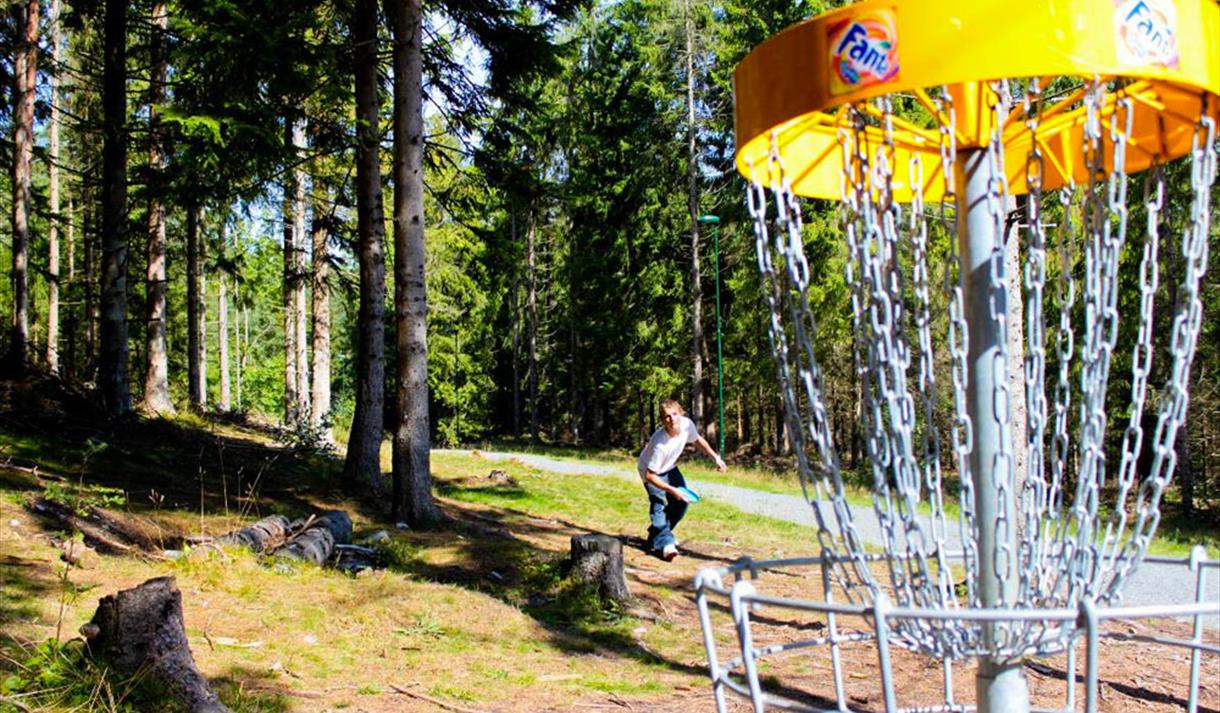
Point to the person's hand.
(677, 495)
(720, 465)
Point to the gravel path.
(1153, 583)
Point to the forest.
(273, 258)
(441, 224)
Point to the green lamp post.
(714, 221)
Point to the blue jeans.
(664, 511)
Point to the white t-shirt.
(663, 450)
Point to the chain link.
(1064, 551)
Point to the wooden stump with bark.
(316, 541)
(598, 560)
(263, 536)
(141, 629)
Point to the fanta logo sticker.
(863, 50)
(1146, 31)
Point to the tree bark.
(363, 463)
(412, 440)
(292, 400)
(696, 404)
(598, 560)
(113, 380)
(300, 308)
(319, 413)
(262, 536)
(141, 629)
(222, 328)
(25, 71)
(52, 353)
(92, 312)
(195, 310)
(156, 375)
(516, 310)
(531, 313)
(316, 538)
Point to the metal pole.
(714, 221)
(1000, 685)
(719, 340)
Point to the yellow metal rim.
(790, 86)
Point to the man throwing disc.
(659, 470)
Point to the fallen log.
(102, 531)
(141, 629)
(263, 536)
(598, 560)
(316, 540)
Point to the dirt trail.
(1155, 583)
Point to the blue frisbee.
(690, 495)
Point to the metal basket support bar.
(1000, 685)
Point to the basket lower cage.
(771, 631)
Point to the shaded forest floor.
(476, 616)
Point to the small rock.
(77, 553)
(402, 526)
(309, 639)
(171, 554)
(378, 537)
(14, 524)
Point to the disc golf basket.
(994, 146)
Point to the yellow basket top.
(791, 84)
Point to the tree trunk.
(412, 465)
(1017, 404)
(263, 536)
(598, 560)
(516, 309)
(52, 353)
(92, 314)
(195, 311)
(156, 375)
(222, 335)
(300, 309)
(531, 309)
(292, 401)
(141, 630)
(363, 464)
(319, 413)
(25, 71)
(112, 376)
(692, 196)
(316, 539)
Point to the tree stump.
(598, 559)
(262, 536)
(141, 629)
(316, 543)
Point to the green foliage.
(54, 676)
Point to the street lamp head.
(711, 219)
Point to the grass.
(479, 614)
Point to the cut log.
(263, 536)
(141, 629)
(598, 560)
(107, 533)
(316, 542)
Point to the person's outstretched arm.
(707, 448)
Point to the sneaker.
(669, 553)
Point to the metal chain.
(1065, 552)
(1187, 321)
